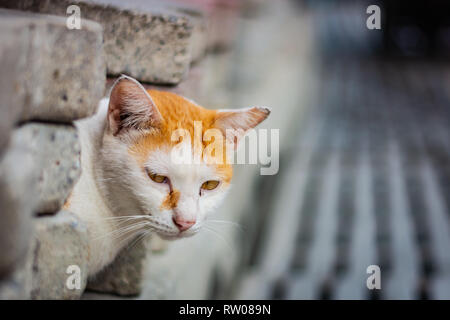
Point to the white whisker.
(115, 234)
(230, 223)
(219, 236)
(138, 239)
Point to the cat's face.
(138, 170)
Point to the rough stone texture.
(193, 87)
(199, 38)
(13, 45)
(124, 276)
(17, 199)
(49, 72)
(61, 241)
(143, 39)
(57, 150)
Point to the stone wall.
(52, 76)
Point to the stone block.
(56, 155)
(14, 44)
(49, 72)
(61, 242)
(193, 87)
(199, 20)
(124, 276)
(18, 197)
(143, 39)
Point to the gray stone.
(143, 39)
(61, 242)
(12, 64)
(124, 276)
(199, 38)
(49, 72)
(57, 151)
(193, 87)
(17, 199)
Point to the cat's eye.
(157, 178)
(210, 184)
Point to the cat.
(130, 185)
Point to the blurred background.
(365, 164)
(364, 174)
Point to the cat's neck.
(87, 200)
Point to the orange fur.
(171, 200)
(177, 113)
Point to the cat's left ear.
(131, 107)
(234, 124)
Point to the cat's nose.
(183, 224)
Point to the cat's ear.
(131, 107)
(234, 124)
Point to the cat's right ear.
(131, 107)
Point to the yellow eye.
(157, 178)
(210, 184)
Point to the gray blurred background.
(365, 165)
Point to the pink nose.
(183, 224)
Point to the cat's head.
(137, 167)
